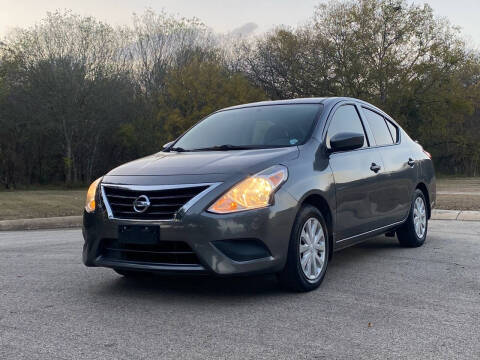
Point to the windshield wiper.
(229, 147)
(177, 149)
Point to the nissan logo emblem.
(141, 204)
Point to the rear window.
(379, 128)
(256, 127)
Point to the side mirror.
(167, 145)
(347, 141)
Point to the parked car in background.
(269, 187)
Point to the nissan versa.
(274, 186)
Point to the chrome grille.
(165, 201)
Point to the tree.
(68, 72)
(197, 89)
(76, 94)
(396, 55)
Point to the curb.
(76, 221)
(42, 223)
(460, 215)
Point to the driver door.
(356, 187)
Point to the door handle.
(375, 168)
(411, 162)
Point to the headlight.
(92, 191)
(252, 193)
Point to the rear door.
(396, 183)
(356, 185)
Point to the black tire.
(292, 276)
(407, 236)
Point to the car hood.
(217, 164)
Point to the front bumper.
(269, 227)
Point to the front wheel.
(307, 258)
(414, 231)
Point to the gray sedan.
(269, 187)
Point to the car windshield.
(252, 128)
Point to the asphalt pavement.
(377, 301)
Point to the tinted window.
(345, 119)
(379, 128)
(393, 131)
(260, 126)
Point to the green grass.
(27, 204)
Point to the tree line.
(78, 96)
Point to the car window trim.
(384, 123)
(329, 120)
(395, 127)
(385, 118)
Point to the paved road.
(377, 301)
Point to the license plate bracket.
(138, 234)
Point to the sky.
(221, 15)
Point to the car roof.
(309, 100)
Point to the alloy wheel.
(312, 249)
(419, 217)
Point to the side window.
(393, 131)
(379, 128)
(345, 119)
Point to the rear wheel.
(414, 231)
(307, 252)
